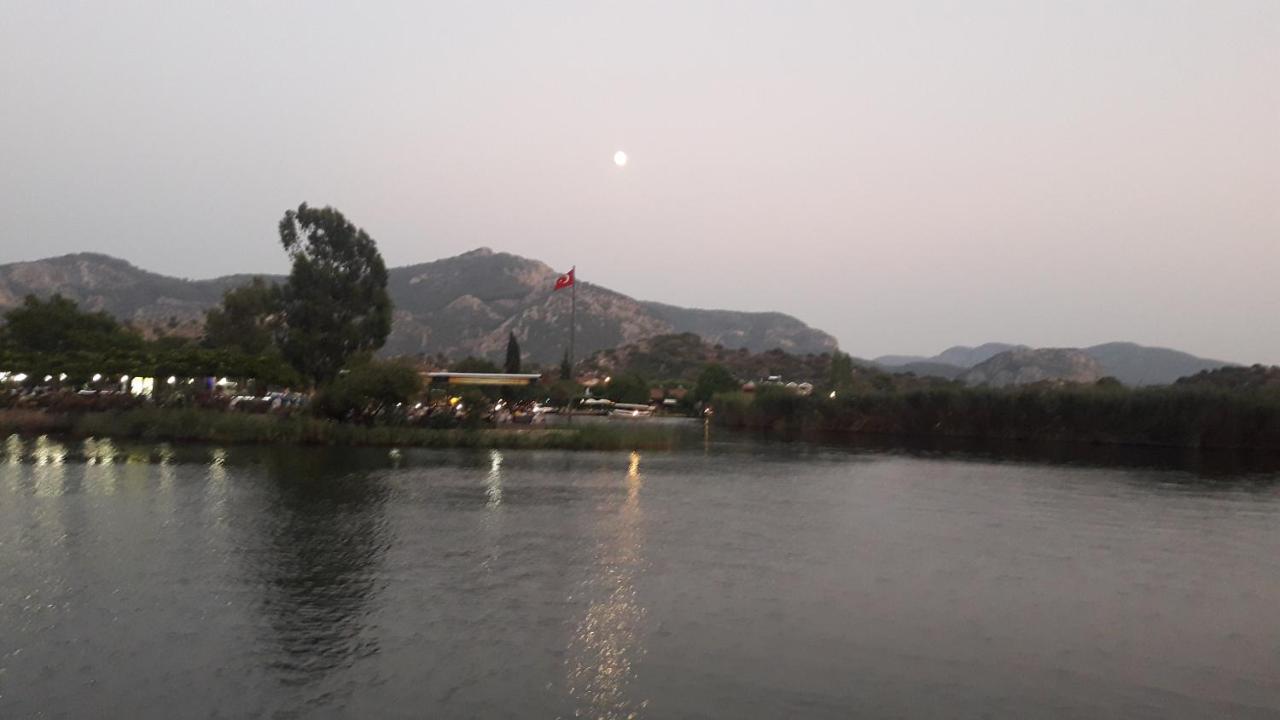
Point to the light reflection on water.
(216, 486)
(186, 581)
(493, 485)
(605, 645)
(49, 456)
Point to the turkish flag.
(565, 280)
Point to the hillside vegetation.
(458, 306)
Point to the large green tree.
(628, 388)
(335, 303)
(713, 380)
(247, 319)
(841, 370)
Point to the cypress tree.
(512, 364)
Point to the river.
(737, 580)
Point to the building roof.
(470, 378)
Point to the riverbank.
(152, 424)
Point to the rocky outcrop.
(1025, 366)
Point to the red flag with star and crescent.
(565, 280)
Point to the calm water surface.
(743, 581)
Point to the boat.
(630, 410)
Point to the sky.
(905, 175)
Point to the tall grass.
(1167, 416)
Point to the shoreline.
(192, 426)
(229, 428)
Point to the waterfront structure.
(476, 378)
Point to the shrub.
(368, 391)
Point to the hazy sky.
(907, 176)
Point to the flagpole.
(573, 316)
(573, 325)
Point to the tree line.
(323, 322)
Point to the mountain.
(463, 305)
(964, 356)
(926, 368)
(1022, 366)
(101, 282)
(754, 331)
(1130, 363)
(1134, 364)
(961, 356)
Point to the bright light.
(124, 378)
(832, 395)
(172, 380)
(97, 377)
(20, 377)
(47, 378)
(607, 378)
(62, 376)
(620, 158)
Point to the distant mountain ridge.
(961, 356)
(462, 305)
(1130, 363)
(1134, 364)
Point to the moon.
(620, 159)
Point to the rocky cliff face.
(463, 305)
(1024, 366)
